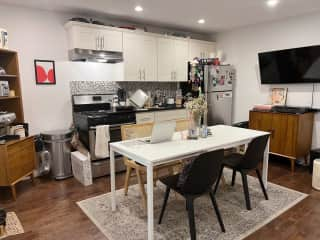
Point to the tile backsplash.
(103, 87)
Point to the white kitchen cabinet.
(82, 37)
(165, 47)
(181, 61)
(201, 49)
(169, 115)
(89, 36)
(139, 52)
(160, 116)
(172, 59)
(145, 117)
(111, 40)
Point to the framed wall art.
(279, 96)
(45, 72)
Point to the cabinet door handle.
(144, 74)
(175, 75)
(97, 43)
(103, 42)
(139, 74)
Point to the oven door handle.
(115, 126)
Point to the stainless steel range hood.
(86, 55)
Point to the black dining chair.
(195, 180)
(245, 163)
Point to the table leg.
(150, 201)
(265, 165)
(113, 180)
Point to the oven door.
(115, 136)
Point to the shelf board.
(9, 98)
(7, 51)
(8, 76)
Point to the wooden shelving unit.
(7, 76)
(9, 61)
(8, 98)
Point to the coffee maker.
(122, 95)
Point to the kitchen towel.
(102, 141)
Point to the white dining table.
(151, 155)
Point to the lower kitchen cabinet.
(291, 134)
(17, 160)
(160, 116)
(145, 117)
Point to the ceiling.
(220, 15)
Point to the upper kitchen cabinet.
(172, 59)
(201, 49)
(93, 37)
(140, 57)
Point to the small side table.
(314, 154)
(17, 161)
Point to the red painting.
(45, 72)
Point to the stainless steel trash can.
(58, 143)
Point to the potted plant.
(197, 108)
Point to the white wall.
(39, 35)
(241, 47)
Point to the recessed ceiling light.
(272, 3)
(138, 8)
(201, 21)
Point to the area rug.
(130, 222)
(13, 226)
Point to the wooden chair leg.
(192, 224)
(127, 180)
(218, 181)
(32, 178)
(262, 185)
(155, 178)
(306, 160)
(2, 230)
(217, 211)
(293, 162)
(234, 174)
(246, 190)
(171, 171)
(165, 201)
(14, 192)
(223, 180)
(142, 190)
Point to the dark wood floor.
(48, 209)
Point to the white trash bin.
(316, 174)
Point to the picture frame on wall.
(45, 72)
(279, 96)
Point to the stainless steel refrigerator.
(218, 86)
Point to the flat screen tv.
(297, 65)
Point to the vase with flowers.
(197, 109)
